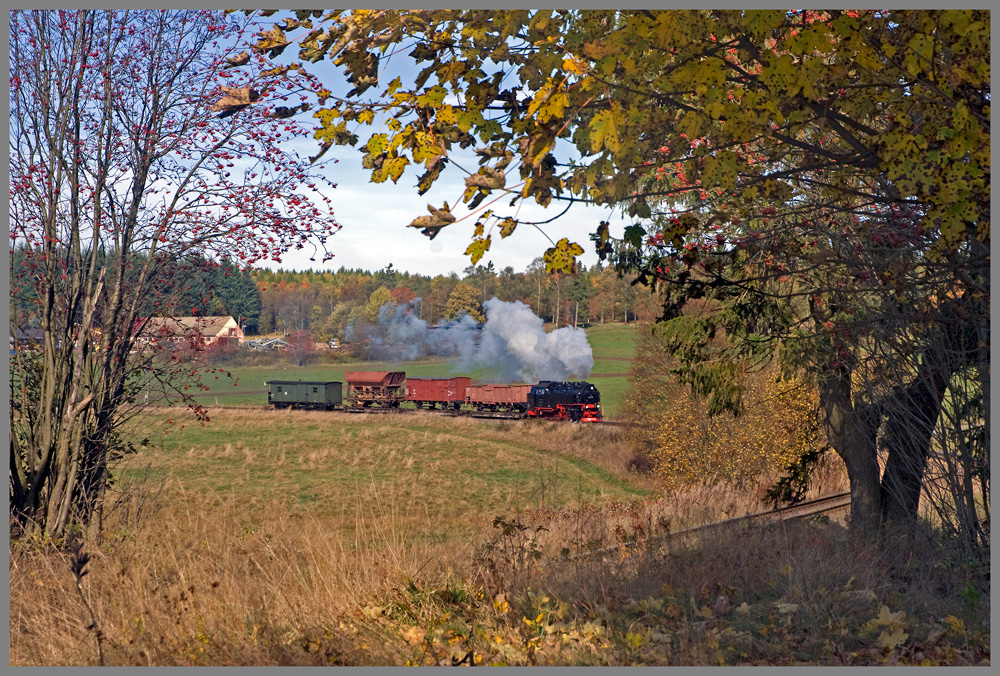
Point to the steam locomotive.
(385, 390)
(576, 401)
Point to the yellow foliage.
(687, 446)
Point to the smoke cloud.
(512, 346)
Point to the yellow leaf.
(447, 115)
(574, 66)
(888, 619)
(604, 132)
(415, 635)
(954, 624)
(562, 257)
(477, 249)
(892, 639)
(507, 226)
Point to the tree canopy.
(714, 113)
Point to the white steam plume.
(515, 346)
(512, 345)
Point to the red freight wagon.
(498, 397)
(434, 391)
(384, 388)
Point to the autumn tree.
(823, 175)
(402, 295)
(686, 446)
(127, 155)
(433, 306)
(464, 300)
(379, 298)
(509, 286)
(299, 348)
(483, 277)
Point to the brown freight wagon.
(498, 397)
(381, 388)
(448, 392)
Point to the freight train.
(387, 390)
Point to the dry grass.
(245, 546)
(254, 541)
(213, 583)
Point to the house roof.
(30, 334)
(206, 326)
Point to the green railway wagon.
(305, 394)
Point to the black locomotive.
(564, 401)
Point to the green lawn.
(613, 340)
(613, 345)
(453, 468)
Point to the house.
(29, 335)
(208, 330)
(27, 339)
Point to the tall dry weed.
(210, 582)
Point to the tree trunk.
(912, 413)
(558, 303)
(852, 432)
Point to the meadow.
(222, 539)
(326, 538)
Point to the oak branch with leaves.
(711, 112)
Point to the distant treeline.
(324, 303)
(192, 285)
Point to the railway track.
(822, 505)
(370, 409)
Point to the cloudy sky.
(374, 215)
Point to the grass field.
(613, 345)
(307, 538)
(327, 463)
(293, 538)
(241, 541)
(612, 340)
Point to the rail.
(827, 503)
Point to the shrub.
(300, 348)
(687, 446)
